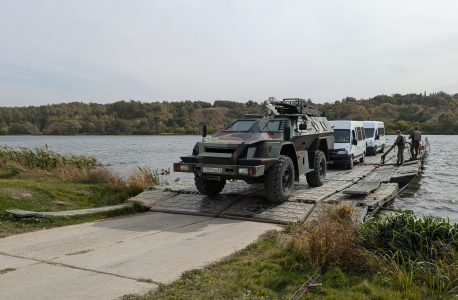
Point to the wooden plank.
(19, 213)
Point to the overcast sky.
(105, 51)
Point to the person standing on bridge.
(401, 143)
(416, 138)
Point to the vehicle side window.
(363, 133)
(360, 135)
(381, 131)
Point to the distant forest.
(436, 113)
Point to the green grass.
(276, 267)
(53, 194)
(268, 270)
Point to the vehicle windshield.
(241, 125)
(369, 132)
(341, 136)
(277, 125)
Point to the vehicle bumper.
(220, 170)
(370, 149)
(339, 159)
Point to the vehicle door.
(361, 141)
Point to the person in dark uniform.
(416, 139)
(401, 143)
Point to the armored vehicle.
(293, 139)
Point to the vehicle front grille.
(220, 150)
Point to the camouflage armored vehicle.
(292, 140)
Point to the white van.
(349, 143)
(375, 136)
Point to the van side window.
(381, 131)
(363, 133)
(360, 134)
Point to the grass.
(41, 180)
(277, 266)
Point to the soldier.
(401, 143)
(416, 138)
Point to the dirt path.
(112, 258)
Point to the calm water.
(434, 193)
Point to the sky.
(106, 51)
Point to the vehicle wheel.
(350, 165)
(375, 151)
(279, 180)
(209, 187)
(361, 160)
(383, 149)
(318, 175)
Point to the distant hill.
(436, 113)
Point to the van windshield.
(369, 132)
(341, 136)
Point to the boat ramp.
(368, 187)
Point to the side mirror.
(354, 142)
(287, 133)
(204, 131)
(302, 126)
(377, 137)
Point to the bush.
(10, 170)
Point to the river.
(434, 193)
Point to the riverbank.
(397, 257)
(42, 180)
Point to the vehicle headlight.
(184, 168)
(369, 142)
(342, 152)
(243, 171)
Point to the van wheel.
(351, 163)
(318, 175)
(383, 149)
(375, 151)
(279, 180)
(361, 160)
(209, 187)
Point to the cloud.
(104, 51)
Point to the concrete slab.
(104, 260)
(9, 262)
(53, 243)
(164, 256)
(46, 281)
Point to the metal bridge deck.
(367, 187)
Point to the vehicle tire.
(209, 187)
(375, 151)
(318, 175)
(383, 149)
(361, 160)
(352, 161)
(279, 180)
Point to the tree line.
(122, 117)
(436, 113)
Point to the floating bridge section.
(367, 187)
